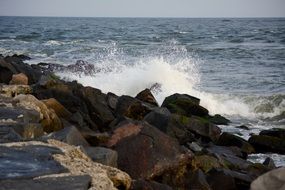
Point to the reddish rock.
(144, 151)
(19, 79)
(146, 96)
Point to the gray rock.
(69, 135)
(57, 183)
(7, 134)
(22, 162)
(195, 147)
(102, 155)
(274, 179)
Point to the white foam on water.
(174, 76)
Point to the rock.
(159, 118)
(222, 179)
(269, 162)
(102, 155)
(27, 160)
(103, 177)
(219, 120)
(201, 127)
(132, 108)
(58, 108)
(80, 182)
(170, 124)
(184, 104)
(97, 106)
(141, 184)
(14, 65)
(275, 132)
(112, 100)
(21, 56)
(227, 139)
(195, 147)
(270, 180)
(19, 79)
(49, 119)
(264, 143)
(8, 134)
(146, 96)
(143, 151)
(205, 163)
(198, 180)
(242, 127)
(95, 138)
(229, 157)
(69, 135)
(14, 90)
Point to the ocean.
(236, 66)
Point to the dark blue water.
(236, 66)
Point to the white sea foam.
(174, 76)
(53, 43)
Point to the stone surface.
(14, 90)
(19, 79)
(279, 133)
(27, 160)
(81, 182)
(69, 135)
(264, 143)
(146, 96)
(143, 151)
(227, 139)
(274, 179)
(58, 108)
(184, 104)
(98, 108)
(102, 155)
(103, 177)
(22, 161)
(8, 134)
(49, 120)
(148, 185)
(132, 108)
(218, 120)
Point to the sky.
(144, 8)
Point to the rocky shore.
(62, 135)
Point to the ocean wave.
(53, 43)
(177, 76)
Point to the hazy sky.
(144, 8)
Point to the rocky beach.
(58, 134)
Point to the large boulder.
(141, 184)
(98, 108)
(19, 79)
(49, 120)
(276, 132)
(170, 124)
(13, 65)
(265, 143)
(102, 155)
(201, 127)
(184, 104)
(38, 162)
(132, 108)
(77, 182)
(227, 139)
(69, 135)
(58, 108)
(146, 96)
(143, 150)
(271, 180)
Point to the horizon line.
(217, 17)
